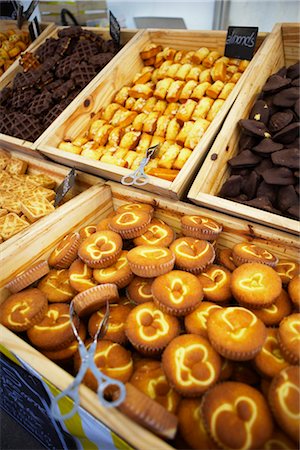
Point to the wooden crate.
(90, 207)
(58, 173)
(282, 48)
(46, 29)
(101, 92)
(11, 142)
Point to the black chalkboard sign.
(26, 400)
(240, 42)
(114, 28)
(65, 186)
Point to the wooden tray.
(46, 28)
(102, 90)
(90, 207)
(282, 48)
(58, 173)
(11, 142)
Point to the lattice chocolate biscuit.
(70, 32)
(47, 49)
(35, 207)
(82, 74)
(25, 126)
(84, 50)
(16, 166)
(22, 98)
(65, 66)
(64, 90)
(42, 179)
(11, 224)
(40, 103)
(5, 94)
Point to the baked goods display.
(211, 367)
(12, 44)
(24, 197)
(265, 172)
(50, 79)
(171, 102)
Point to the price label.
(65, 186)
(240, 42)
(114, 28)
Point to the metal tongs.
(23, 16)
(138, 177)
(88, 363)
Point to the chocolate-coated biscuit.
(254, 128)
(22, 98)
(63, 45)
(294, 71)
(82, 74)
(101, 59)
(287, 197)
(231, 187)
(260, 111)
(287, 134)
(263, 166)
(47, 49)
(244, 159)
(267, 146)
(84, 50)
(71, 32)
(281, 176)
(287, 97)
(63, 90)
(275, 83)
(280, 120)
(288, 157)
(294, 210)
(40, 103)
(249, 185)
(267, 190)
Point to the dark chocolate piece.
(294, 71)
(101, 59)
(287, 197)
(249, 185)
(282, 72)
(260, 111)
(262, 203)
(267, 146)
(288, 134)
(294, 144)
(231, 187)
(246, 142)
(294, 210)
(289, 157)
(275, 83)
(297, 107)
(266, 164)
(5, 95)
(280, 175)
(254, 128)
(280, 120)
(244, 159)
(267, 190)
(296, 82)
(286, 98)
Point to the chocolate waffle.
(109, 46)
(26, 80)
(84, 50)
(53, 113)
(71, 32)
(101, 59)
(41, 103)
(24, 126)
(63, 90)
(65, 67)
(54, 84)
(29, 61)
(5, 95)
(47, 49)
(83, 74)
(63, 45)
(22, 98)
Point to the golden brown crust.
(28, 276)
(90, 300)
(289, 338)
(192, 255)
(196, 321)
(139, 290)
(118, 273)
(116, 325)
(200, 227)
(157, 233)
(130, 224)
(65, 252)
(101, 249)
(81, 276)
(294, 291)
(244, 252)
(215, 282)
(150, 261)
(56, 286)
(270, 361)
(272, 315)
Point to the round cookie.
(116, 324)
(149, 329)
(236, 333)
(130, 224)
(135, 207)
(56, 286)
(289, 338)
(284, 400)
(21, 311)
(200, 227)
(54, 332)
(192, 255)
(255, 285)
(66, 353)
(237, 416)
(81, 276)
(215, 282)
(270, 361)
(190, 424)
(149, 261)
(177, 293)
(244, 252)
(224, 258)
(139, 290)
(28, 276)
(287, 270)
(149, 377)
(112, 360)
(101, 249)
(65, 252)
(196, 321)
(191, 365)
(87, 231)
(118, 273)
(89, 301)
(158, 233)
(294, 291)
(272, 315)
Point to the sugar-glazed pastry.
(196, 321)
(191, 365)
(149, 329)
(270, 361)
(289, 338)
(224, 258)
(21, 311)
(177, 293)
(200, 227)
(150, 261)
(81, 276)
(149, 377)
(230, 407)
(244, 252)
(65, 354)
(116, 324)
(284, 400)
(236, 333)
(192, 255)
(272, 315)
(287, 270)
(56, 286)
(65, 252)
(139, 290)
(279, 441)
(215, 282)
(157, 233)
(130, 224)
(255, 285)
(118, 273)
(135, 207)
(90, 300)
(28, 276)
(101, 249)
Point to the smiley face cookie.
(81, 276)
(56, 286)
(139, 290)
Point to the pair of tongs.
(88, 363)
(23, 16)
(138, 177)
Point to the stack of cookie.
(205, 339)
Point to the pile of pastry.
(205, 339)
(171, 102)
(12, 43)
(24, 198)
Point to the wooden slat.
(214, 172)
